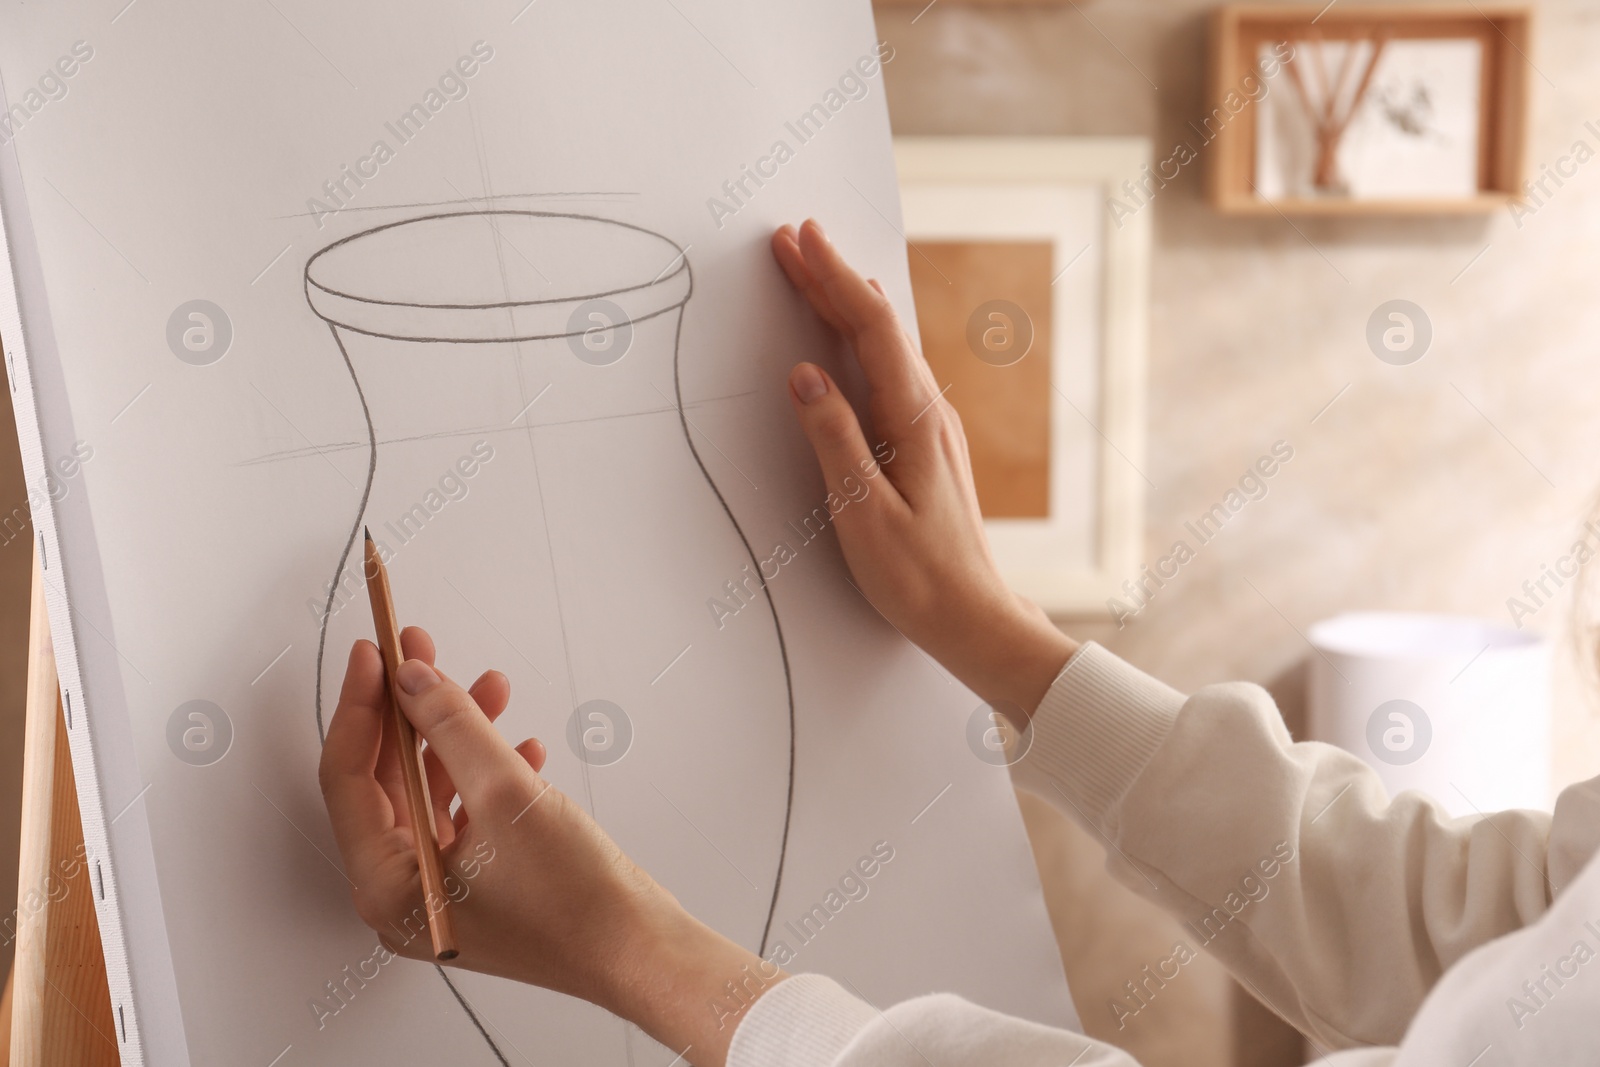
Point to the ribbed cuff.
(1095, 730)
(804, 1021)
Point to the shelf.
(1238, 31)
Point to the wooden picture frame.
(1229, 131)
(1028, 220)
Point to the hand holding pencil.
(538, 892)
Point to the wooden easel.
(58, 1000)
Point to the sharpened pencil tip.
(368, 531)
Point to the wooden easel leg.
(5, 1022)
(61, 1007)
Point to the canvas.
(493, 281)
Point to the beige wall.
(1401, 496)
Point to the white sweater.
(1381, 928)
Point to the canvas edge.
(121, 858)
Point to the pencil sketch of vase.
(539, 352)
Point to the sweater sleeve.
(1338, 907)
(810, 1021)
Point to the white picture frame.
(1061, 190)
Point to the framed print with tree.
(1397, 109)
(1031, 299)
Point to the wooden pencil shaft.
(418, 803)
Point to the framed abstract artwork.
(1028, 264)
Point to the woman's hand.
(915, 542)
(539, 893)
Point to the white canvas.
(226, 399)
(1413, 134)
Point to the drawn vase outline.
(502, 326)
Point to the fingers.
(417, 643)
(786, 249)
(363, 679)
(830, 424)
(534, 752)
(492, 693)
(901, 383)
(479, 761)
(357, 805)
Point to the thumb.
(830, 424)
(481, 763)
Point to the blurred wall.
(1440, 486)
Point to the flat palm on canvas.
(490, 280)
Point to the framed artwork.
(1031, 300)
(1400, 108)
